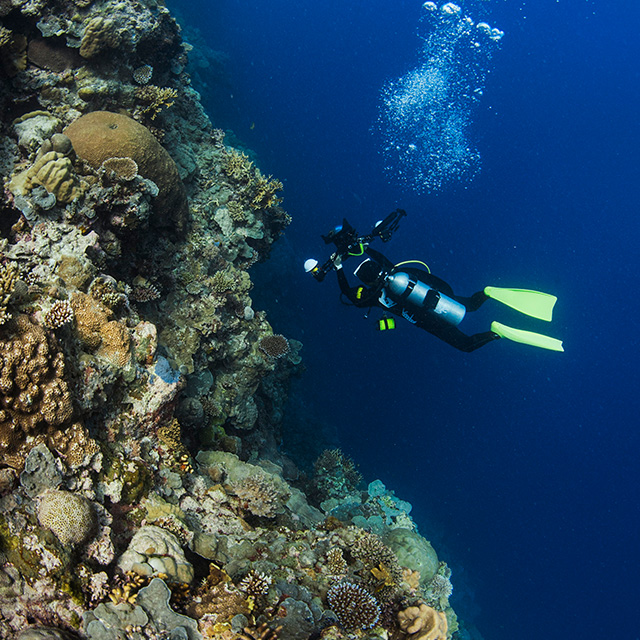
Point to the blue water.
(521, 464)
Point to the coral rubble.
(143, 493)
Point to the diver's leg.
(474, 302)
(461, 341)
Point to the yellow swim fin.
(526, 337)
(533, 303)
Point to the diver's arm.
(348, 292)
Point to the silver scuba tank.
(447, 308)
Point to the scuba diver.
(421, 298)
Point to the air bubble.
(426, 115)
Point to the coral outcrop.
(101, 136)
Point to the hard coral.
(70, 516)
(100, 135)
(55, 173)
(383, 573)
(99, 34)
(8, 279)
(354, 607)
(33, 393)
(59, 315)
(274, 346)
(423, 623)
(122, 168)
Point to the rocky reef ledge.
(142, 491)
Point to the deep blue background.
(521, 464)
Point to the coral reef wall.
(142, 492)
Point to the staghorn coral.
(423, 623)
(274, 346)
(34, 396)
(353, 605)
(100, 135)
(69, 516)
(155, 99)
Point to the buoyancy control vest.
(408, 290)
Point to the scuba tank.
(409, 289)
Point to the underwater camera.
(348, 243)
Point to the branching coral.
(58, 315)
(8, 279)
(382, 572)
(125, 169)
(336, 564)
(154, 99)
(255, 583)
(353, 605)
(262, 498)
(335, 475)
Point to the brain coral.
(70, 516)
(101, 135)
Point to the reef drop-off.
(143, 493)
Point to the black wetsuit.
(423, 317)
